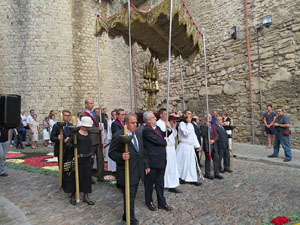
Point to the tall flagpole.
(182, 83)
(169, 57)
(98, 66)
(206, 91)
(130, 58)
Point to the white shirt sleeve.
(184, 129)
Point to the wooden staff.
(127, 195)
(76, 162)
(61, 151)
(231, 123)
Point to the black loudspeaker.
(10, 108)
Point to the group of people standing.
(163, 154)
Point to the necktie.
(135, 142)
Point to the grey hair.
(87, 100)
(146, 116)
(127, 117)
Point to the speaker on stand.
(10, 108)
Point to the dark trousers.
(216, 162)
(19, 140)
(96, 149)
(133, 191)
(226, 159)
(156, 176)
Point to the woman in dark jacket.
(84, 146)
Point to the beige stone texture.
(48, 56)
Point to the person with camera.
(282, 135)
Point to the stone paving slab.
(255, 192)
(259, 153)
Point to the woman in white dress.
(34, 128)
(46, 131)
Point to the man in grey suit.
(95, 132)
(137, 161)
(222, 144)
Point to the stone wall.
(48, 55)
(228, 76)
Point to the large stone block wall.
(48, 56)
(228, 76)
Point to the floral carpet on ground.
(40, 161)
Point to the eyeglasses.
(67, 115)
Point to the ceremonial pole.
(61, 151)
(130, 58)
(76, 162)
(231, 123)
(127, 190)
(169, 58)
(182, 83)
(206, 91)
(98, 68)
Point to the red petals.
(37, 161)
(280, 220)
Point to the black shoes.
(218, 177)
(210, 177)
(286, 160)
(181, 181)
(3, 174)
(151, 206)
(89, 202)
(73, 201)
(196, 183)
(222, 171)
(227, 171)
(175, 190)
(272, 156)
(166, 207)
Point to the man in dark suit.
(118, 124)
(212, 143)
(95, 132)
(198, 135)
(137, 161)
(222, 144)
(155, 147)
(67, 138)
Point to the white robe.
(186, 157)
(112, 166)
(171, 179)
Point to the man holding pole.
(186, 156)
(66, 137)
(95, 132)
(210, 142)
(137, 162)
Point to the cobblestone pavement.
(253, 193)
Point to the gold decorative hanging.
(150, 85)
